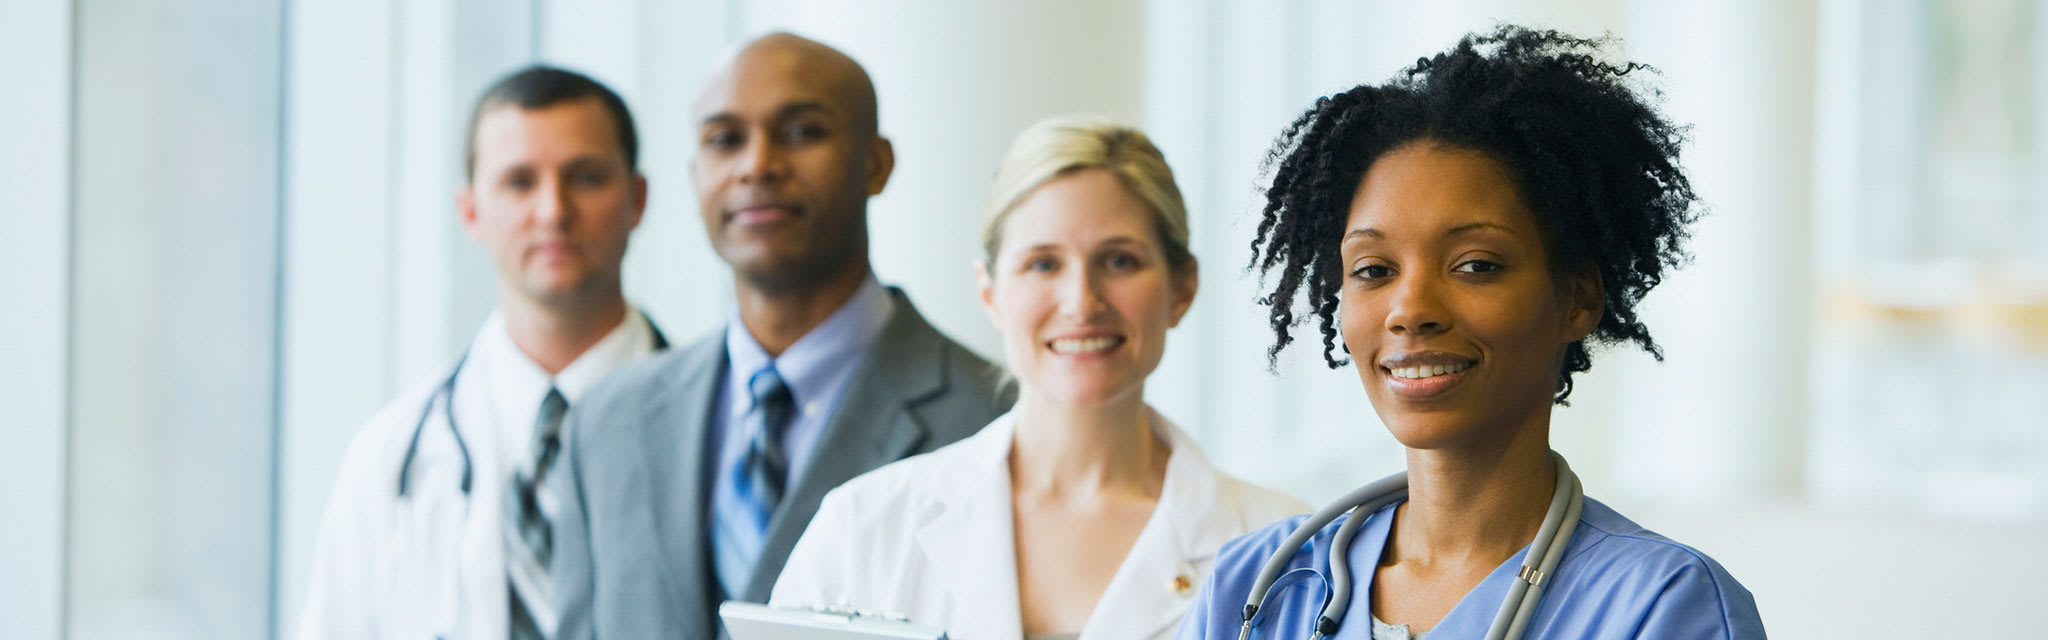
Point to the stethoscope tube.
(445, 394)
(1567, 501)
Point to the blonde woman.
(1082, 513)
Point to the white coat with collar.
(432, 563)
(931, 538)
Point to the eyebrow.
(1111, 242)
(1469, 227)
(787, 110)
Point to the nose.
(1081, 292)
(762, 161)
(552, 206)
(1417, 307)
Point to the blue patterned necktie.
(753, 487)
(529, 538)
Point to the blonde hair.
(1059, 146)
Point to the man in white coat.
(435, 526)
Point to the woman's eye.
(1040, 265)
(1479, 266)
(1121, 262)
(1372, 272)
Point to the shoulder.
(1257, 506)
(1675, 589)
(1247, 553)
(904, 486)
(655, 376)
(385, 436)
(1608, 538)
(909, 335)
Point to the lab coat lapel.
(970, 540)
(483, 540)
(1160, 577)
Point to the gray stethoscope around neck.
(1566, 502)
(445, 396)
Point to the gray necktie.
(529, 537)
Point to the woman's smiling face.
(1455, 318)
(1082, 290)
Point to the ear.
(639, 197)
(1585, 303)
(881, 163)
(465, 209)
(985, 289)
(1184, 287)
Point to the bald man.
(688, 479)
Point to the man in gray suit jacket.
(687, 479)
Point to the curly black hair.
(1589, 155)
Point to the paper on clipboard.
(749, 621)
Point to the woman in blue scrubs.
(1469, 229)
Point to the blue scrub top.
(1616, 580)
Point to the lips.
(551, 250)
(764, 213)
(1085, 345)
(1426, 374)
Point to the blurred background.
(230, 236)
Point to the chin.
(1432, 430)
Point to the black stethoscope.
(445, 396)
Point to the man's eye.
(1041, 265)
(722, 140)
(1122, 262)
(519, 182)
(804, 132)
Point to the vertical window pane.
(174, 319)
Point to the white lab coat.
(931, 538)
(433, 564)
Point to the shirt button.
(1181, 584)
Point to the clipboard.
(749, 621)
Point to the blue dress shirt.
(817, 367)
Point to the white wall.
(35, 257)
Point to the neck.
(554, 335)
(777, 318)
(1110, 448)
(1479, 504)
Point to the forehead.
(1081, 208)
(759, 83)
(1425, 187)
(572, 127)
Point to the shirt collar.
(806, 366)
(519, 382)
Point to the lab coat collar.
(972, 534)
(517, 383)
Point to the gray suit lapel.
(875, 423)
(676, 463)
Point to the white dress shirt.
(433, 562)
(932, 538)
